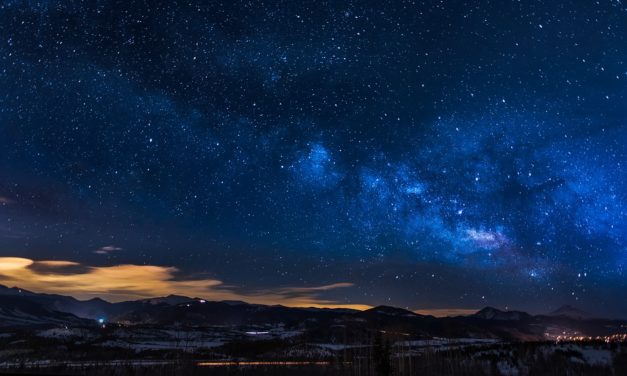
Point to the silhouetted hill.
(16, 310)
(490, 313)
(391, 311)
(571, 312)
(199, 312)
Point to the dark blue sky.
(432, 154)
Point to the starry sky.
(434, 155)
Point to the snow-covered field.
(82, 364)
(65, 332)
(510, 362)
(161, 345)
(446, 342)
(139, 339)
(588, 354)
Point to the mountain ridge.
(168, 309)
(571, 312)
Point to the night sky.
(434, 155)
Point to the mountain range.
(20, 307)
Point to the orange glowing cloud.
(55, 263)
(8, 264)
(127, 281)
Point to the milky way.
(419, 154)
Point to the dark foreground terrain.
(59, 335)
(532, 358)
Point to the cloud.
(8, 264)
(57, 263)
(127, 281)
(316, 288)
(5, 200)
(107, 249)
